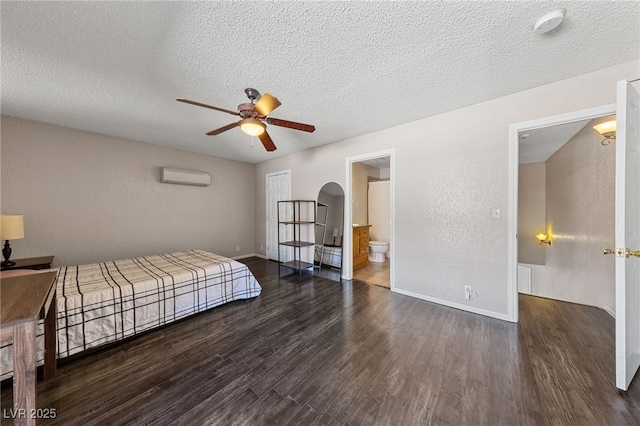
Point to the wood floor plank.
(256, 412)
(228, 396)
(314, 351)
(393, 411)
(282, 413)
(177, 396)
(306, 416)
(228, 413)
(364, 410)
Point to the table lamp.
(335, 235)
(11, 228)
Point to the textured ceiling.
(539, 144)
(349, 68)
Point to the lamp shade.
(11, 227)
(335, 232)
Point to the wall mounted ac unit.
(184, 177)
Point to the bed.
(101, 303)
(332, 256)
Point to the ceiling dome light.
(252, 127)
(549, 21)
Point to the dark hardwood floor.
(314, 351)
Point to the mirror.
(329, 227)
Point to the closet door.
(278, 189)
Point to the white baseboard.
(244, 256)
(609, 310)
(455, 305)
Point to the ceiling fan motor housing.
(246, 110)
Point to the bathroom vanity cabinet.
(360, 246)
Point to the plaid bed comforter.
(332, 256)
(109, 301)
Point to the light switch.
(495, 213)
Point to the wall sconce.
(544, 239)
(608, 130)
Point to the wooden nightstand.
(43, 262)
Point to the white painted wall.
(447, 182)
(87, 197)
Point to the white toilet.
(377, 249)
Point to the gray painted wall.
(580, 197)
(531, 213)
(360, 190)
(335, 217)
(577, 187)
(87, 197)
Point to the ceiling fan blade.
(187, 101)
(267, 142)
(224, 128)
(266, 104)
(291, 125)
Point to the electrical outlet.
(467, 292)
(261, 247)
(237, 248)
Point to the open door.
(627, 218)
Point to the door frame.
(512, 227)
(266, 204)
(347, 233)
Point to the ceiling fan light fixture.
(252, 127)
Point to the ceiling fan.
(254, 116)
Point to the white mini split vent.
(184, 177)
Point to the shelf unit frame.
(297, 264)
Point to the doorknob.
(632, 253)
